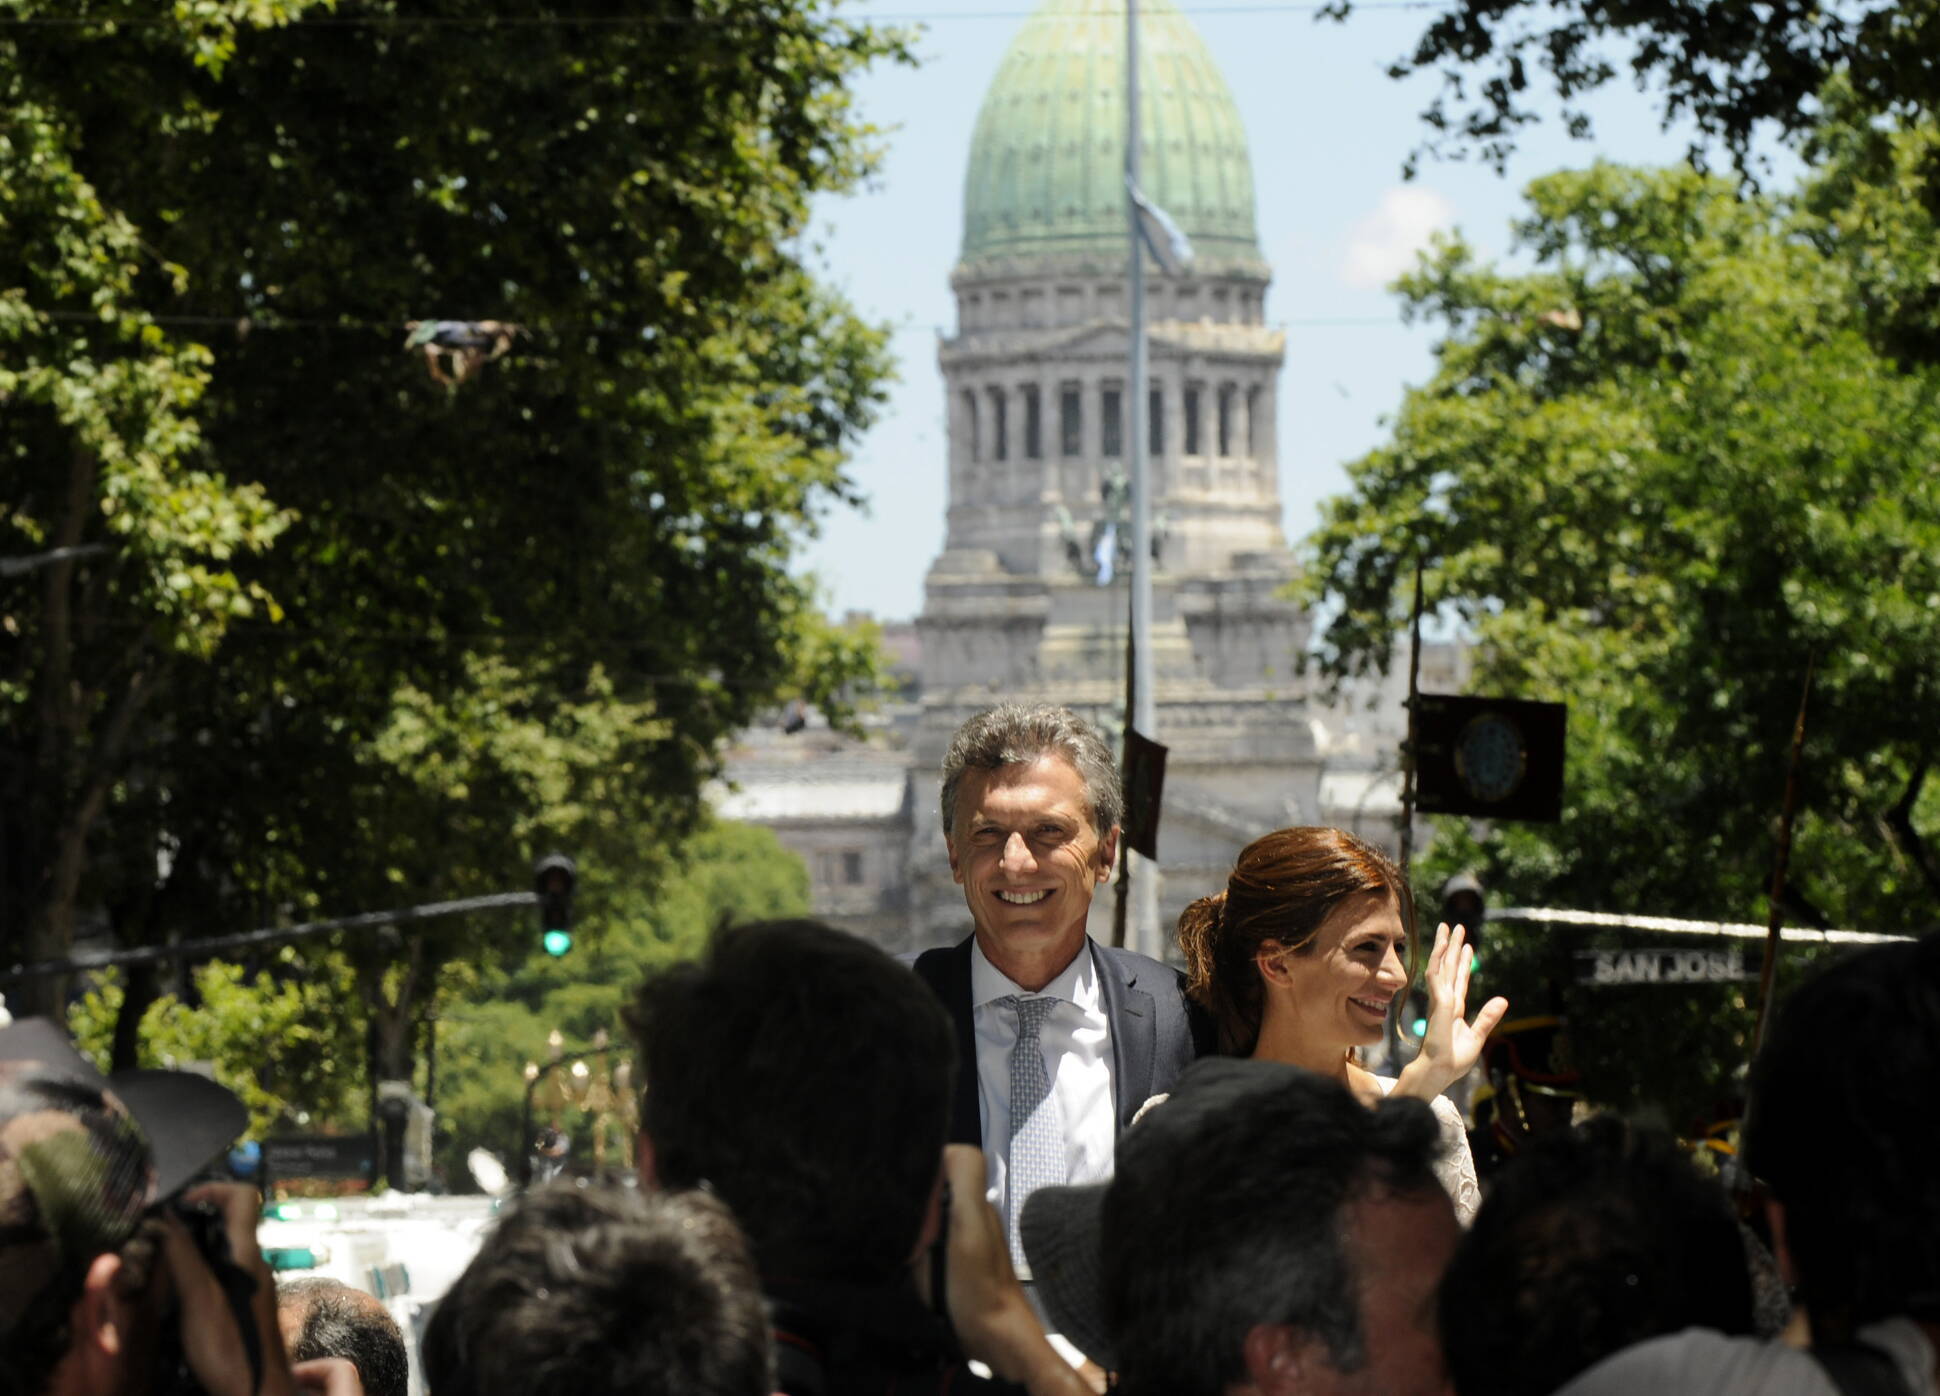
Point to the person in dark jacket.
(1059, 1040)
(804, 1078)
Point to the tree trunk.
(393, 1048)
(141, 991)
(71, 770)
(55, 840)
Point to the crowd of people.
(1030, 1162)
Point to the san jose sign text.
(1660, 965)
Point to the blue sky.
(1329, 132)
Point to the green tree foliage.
(278, 1037)
(1658, 477)
(119, 541)
(494, 1021)
(1732, 67)
(358, 638)
(279, 1034)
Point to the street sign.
(319, 1156)
(1144, 789)
(1661, 965)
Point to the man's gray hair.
(1018, 733)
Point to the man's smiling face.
(1024, 849)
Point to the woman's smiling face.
(1338, 989)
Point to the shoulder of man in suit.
(1134, 965)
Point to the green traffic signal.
(293, 1257)
(552, 880)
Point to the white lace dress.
(1455, 1168)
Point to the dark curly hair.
(1839, 1130)
(585, 1291)
(1283, 887)
(1229, 1209)
(805, 1077)
(1591, 1239)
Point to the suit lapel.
(1134, 1032)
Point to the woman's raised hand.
(1450, 1046)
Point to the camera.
(204, 1223)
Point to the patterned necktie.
(1035, 1156)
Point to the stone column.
(1021, 464)
(1050, 398)
(1270, 435)
(1243, 434)
(1167, 475)
(1089, 415)
(959, 449)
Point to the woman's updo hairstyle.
(1283, 886)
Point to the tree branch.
(1899, 820)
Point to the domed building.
(1026, 600)
(1035, 376)
(1028, 596)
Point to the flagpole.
(1144, 714)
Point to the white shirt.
(1710, 1364)
(1076, 1041)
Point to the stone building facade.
(1027, 599)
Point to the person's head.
(1264, 1231)
(1031, 807)
(805, 1077)
(327, 1318)
(86, 1164)
(1590, 1240)
(1314, 923)
(1847, 1143)
(600, 1291)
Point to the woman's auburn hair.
(1284, 885)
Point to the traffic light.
(553, 878)
(1414, 1014)
(1464, 905)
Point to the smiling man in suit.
(1060, 1039)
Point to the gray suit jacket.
(1155, 1031)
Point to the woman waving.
(1303, 954)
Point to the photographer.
(115, 1276)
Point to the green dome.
(1047, 162)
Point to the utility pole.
(1143, 716)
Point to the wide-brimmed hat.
(84, 1156)
(1063, 1234)
(1063, 1227)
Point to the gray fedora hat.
(1063, 1239)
